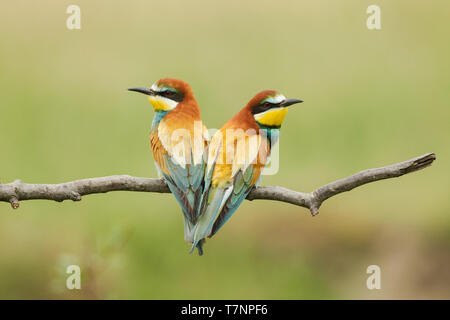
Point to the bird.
(178, 141)
(237, 155)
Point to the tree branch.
(18, 191)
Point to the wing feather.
(227, 185)
(176, 160)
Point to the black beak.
(289, 102)
(146, 91)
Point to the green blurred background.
(372, 98)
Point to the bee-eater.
(237, 155)
(178, 140)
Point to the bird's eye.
(266, 104)
(168, 93)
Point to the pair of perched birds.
(210, 178)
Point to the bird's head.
(165, 94)
(269, 108)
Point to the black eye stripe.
(264, 107)
(172, 95)
(167, 93)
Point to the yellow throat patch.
(272, 117)
(161, 103)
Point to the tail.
(215, 199)
(199, 245)
(189, 201)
